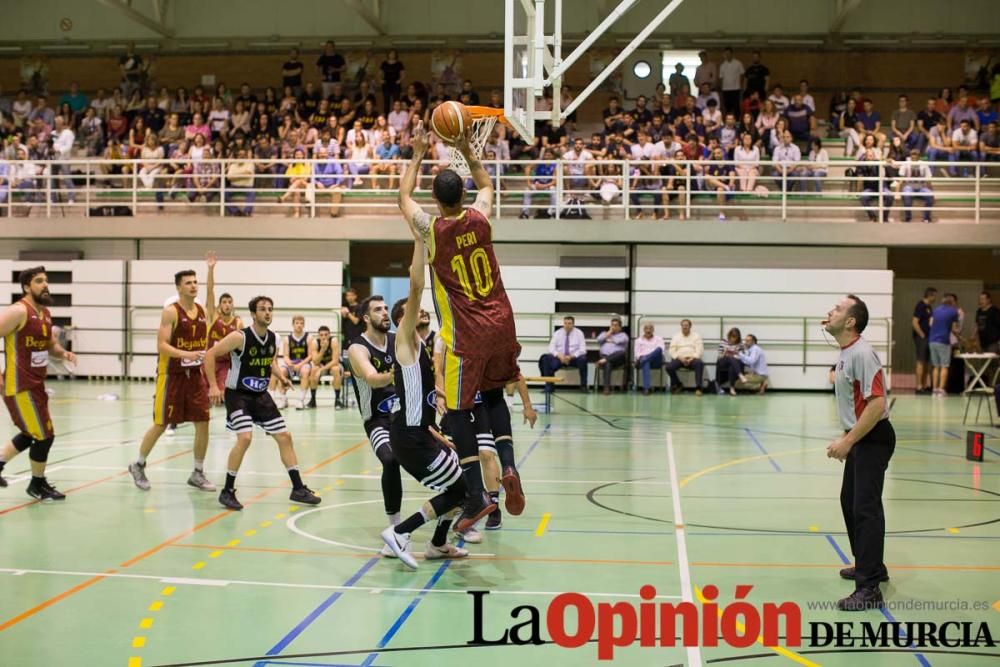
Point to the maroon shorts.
(464, 376)
(30, 411)
(181, 397)
(220, 375)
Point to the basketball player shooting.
(474, 314)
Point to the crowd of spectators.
(359, 130)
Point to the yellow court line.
(232, 543)
(138, 642)
(135, 661)
(542, 525)
(250, 533)
(279, 517)
(215, 554)
(746, 459)
(265, 524)
(146, 624)
(780, 650)
(156, 606)
(168, 591)
(197, 566)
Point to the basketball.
(450, 120)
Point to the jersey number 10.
(482, 273)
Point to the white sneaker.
(281, 401)
(399, 545)
(722, 216)
(471, 536)
(388, 553)
(171, 431)
(448, 550)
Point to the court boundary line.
(693, 652)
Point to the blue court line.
(391, 632)
(761, 448)
(953, 435)
(308, 664)
(315, 613)
(885, 612)
(989, 449)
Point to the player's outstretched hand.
(463, 143)
(211, 258)
(419, 139)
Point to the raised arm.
(418, 220)
(406, 346)
(484, 184)
(210, 259)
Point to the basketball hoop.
(484, 119)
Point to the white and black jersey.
(375, 402)
(298, 348)
(415, 390)
(247, 400)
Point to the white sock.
(394, 519)
(199, 465)
(141, 460)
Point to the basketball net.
(484, 119)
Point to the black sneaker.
(850, 573)
(311, 403)
(495, 520)
(228, 499)
(862, 599)
(473, 509)
(3, 482)
(305, 496)
(44, 491)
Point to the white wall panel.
(98, 271)
(825, 281)
(284, 296)
(263, 273)
(528, 277)
(732, 305)
(98, 342)
(99, 364)
(95, 294)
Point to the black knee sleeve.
(450, 498)
(22, 441)
(499, 413)
(392, 482)
(463, 432)
(40, 450)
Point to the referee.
(865, 447)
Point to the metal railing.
(675, 189)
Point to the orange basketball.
(450, 120)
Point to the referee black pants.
(861, 502)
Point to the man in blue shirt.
(388, 154)
(872, 121)
(614, 349)
(944, 321)
(921, 328)
(543, 182)
(329, 177)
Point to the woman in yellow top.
(298, 174)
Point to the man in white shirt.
(648, 354)
(915, 177)
(786, 158)
(575, 167)
(686, 350)
(398, 118)
(23, 174)
(964, 142)
(706, 72)
(779, 99)
(567, 348)
(62, 149)
(731, 74)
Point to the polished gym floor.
(680, 493)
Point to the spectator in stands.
(398, 117)
(706, 73)
(987, 333)
(747, 158)
(818, 166)
(150, 166)
(787, 168)
(728, 135)
(686, 351)
(360, 157)
(873, 181)
(62, 149)
(239, 183)
(113, 152)
(198, 126)
(205, 176)
(871, 121)
(807, 98)
(756, 365)
(298, 174)
(577, 167)
(76, 100)
(705, 95)
(989, 143)
(92, 133)
(613, 351)
(728, 367)
(801, 121)
(944, 322)
(915, 180)
(291, 72)
(766, 122)
(731, 79)
(4, 181)
(648, 355)
(758, 76)
(962, 111)
(331, 64)
(944, 102)
(986, 113)
(678, 80)
(921, 325)
(720, 177)
(926, 121)
(541, 180)
(848, 125)
(904, 124)
(568, 348)
(939, 148)
(387, 154)
(329, 177)
(132, 69)
(645, 175)
(674, 175)
(778, 99)
(965, 144)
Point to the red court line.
(162, 545)
(93, 483)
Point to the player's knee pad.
(385, 456)
(40, 450)
(22, 441)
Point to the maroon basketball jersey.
(473, 310)
(26, 351)
(217, 332)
